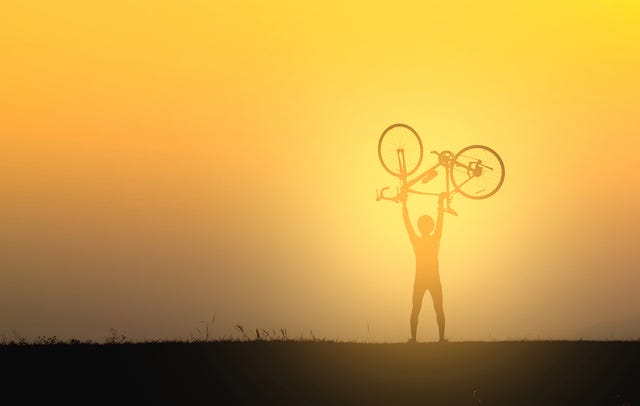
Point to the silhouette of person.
(427, 277)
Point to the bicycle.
(476, 171)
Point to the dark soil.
(325, 373)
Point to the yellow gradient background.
(164, 161)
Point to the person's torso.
(426, 250)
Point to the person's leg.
(418, 294)
(436, 296)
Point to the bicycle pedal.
(451, 211)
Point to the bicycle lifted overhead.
(476, 171)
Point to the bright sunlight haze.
(162, 162)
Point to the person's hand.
(402, 197)
(442, 197)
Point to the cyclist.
(427, 277)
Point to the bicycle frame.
(445, 159)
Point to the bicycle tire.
(396, 138)
(477, 172)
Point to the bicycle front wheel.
(477, 172)
(400, 150)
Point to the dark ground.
(504, 373)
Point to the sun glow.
(198, 157)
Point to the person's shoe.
(411, 341)
(443, 341)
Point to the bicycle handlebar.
(380, 196)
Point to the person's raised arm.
(437, 234)
(405, 216)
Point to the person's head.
(425, 225)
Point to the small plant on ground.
(18, 339)
(203, 335)
(42, 340)
(115, 337)
(240, 328)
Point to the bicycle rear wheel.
(400, 150)
(477, 172)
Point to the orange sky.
(162, 162)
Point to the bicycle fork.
(402, 163)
